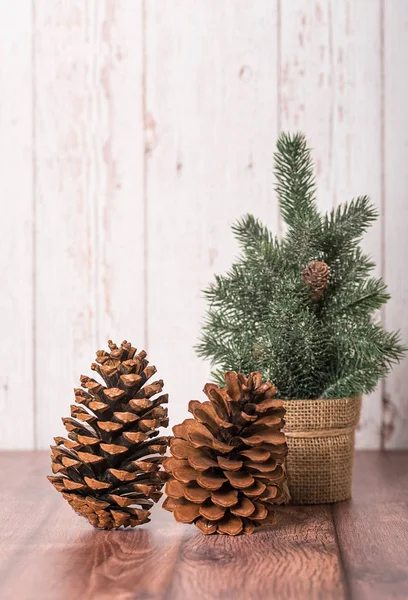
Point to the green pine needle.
(262, 315)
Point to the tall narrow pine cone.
(316, 275)
(109, 468)
(227, 465)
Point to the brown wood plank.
(49, 552)
(373, 527)
(24, 502)
(296, 559)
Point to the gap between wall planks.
(151, 128)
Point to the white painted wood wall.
(132, 133)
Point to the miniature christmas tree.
(302, 311)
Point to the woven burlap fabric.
(320, 438)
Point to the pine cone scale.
(225, 497)
(212, 512)
(205, 526)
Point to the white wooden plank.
(118, 168)
(211, 126)
(307, 84)
(16, 226)
(331, 90)
(65, 122)
(89, 190)
(396, 218)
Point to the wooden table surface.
(356, 549)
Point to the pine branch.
(354, 267)
(250, 232)
(359, 381)
(344, 227)
(363, 298)
(261, 316)
(365, 354)
(258, 243)
(295, 179)
(218, 377)
(296, 189)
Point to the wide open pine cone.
(109, 468)
(316, 275)
(227, 470)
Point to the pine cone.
(227, 469)
(316, 275)
(109, 467)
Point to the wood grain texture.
(356, 549)
(89, 170)
(65, 207)
(118, 169)
(135, 132)
(395, 40)
(331, 90)
(373, 528)
(16, 225)
(211, 125)
(50, 553)
(296, 559)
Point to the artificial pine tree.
(302, 310)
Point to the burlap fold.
(320, 438)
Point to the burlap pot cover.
(320, 438)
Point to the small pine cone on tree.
(109, 467)
(316, 275)
(227, 466)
